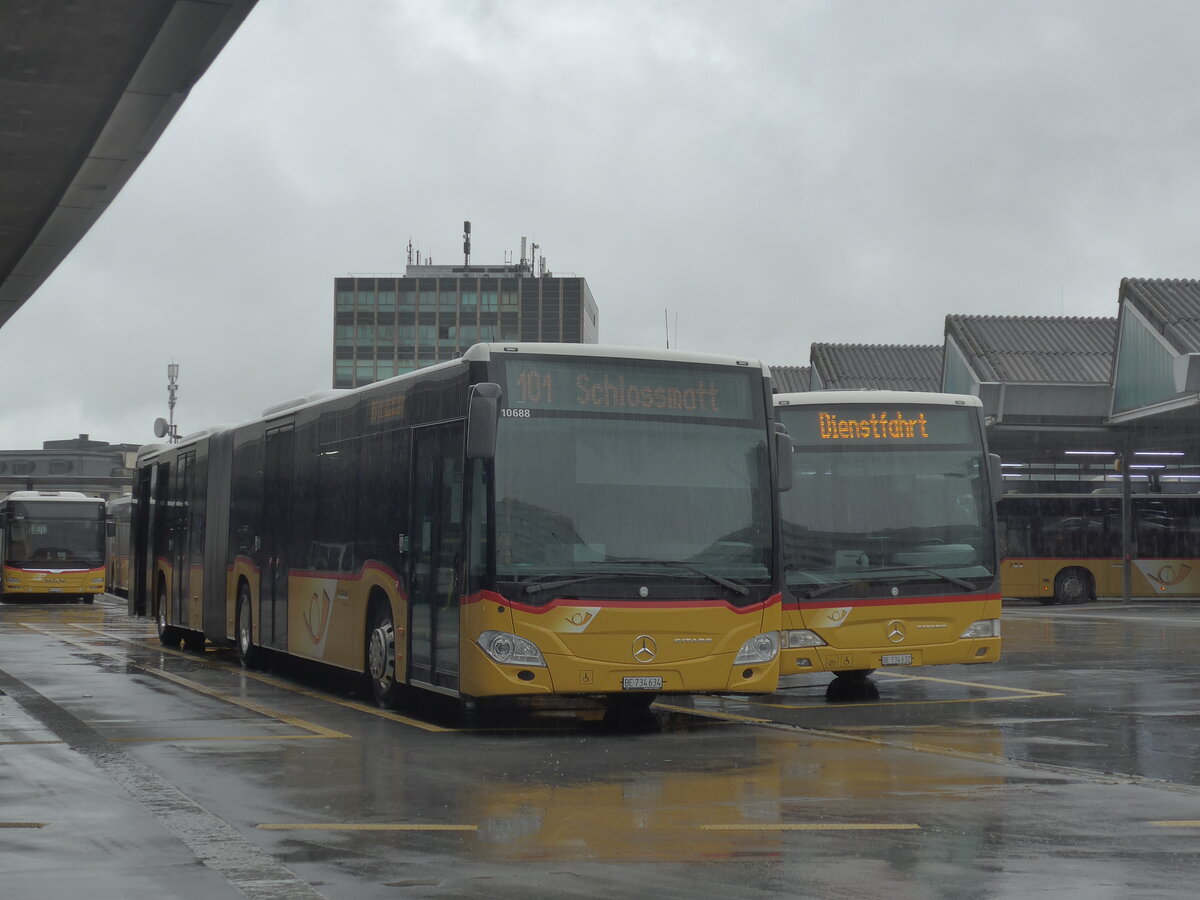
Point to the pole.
(1126, 523)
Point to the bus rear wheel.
(249, 655)
(381, 656)
(1073, 586)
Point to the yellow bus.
(888, 533)
(1066, 548)
(52, 545)
(528, 520)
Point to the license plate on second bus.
(896, 659)
(642, 683)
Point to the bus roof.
(811, 398)
(481, 352)
(52, 496)
(485, 351)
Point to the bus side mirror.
(483, 416)
(110, 528)
(783, 459)
(995, 475)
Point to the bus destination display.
(611, 387)
(816, 425)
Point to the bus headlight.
(802, 638)
(759, 649)
(511, 650)
(984, 628)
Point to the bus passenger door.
(277, 534)
(178, 541)
(437, 541)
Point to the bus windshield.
(641, 495)
(864, 510)
(55, 535)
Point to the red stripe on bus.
(490, 597)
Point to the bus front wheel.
(381, 656)
(1072, 586)
(248, 654)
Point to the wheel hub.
(381, 653)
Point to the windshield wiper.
(879, 575)
(832, 586)
(735, 586)
(539, 586)
(951, 578)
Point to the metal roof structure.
(791, 379)
(891, 367)
(1172, 307)
(1036, 349)
(85, 91)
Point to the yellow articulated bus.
(52, 545)
(528, 520)
(888, 533)
(1066, 548)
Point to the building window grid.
(481, 311)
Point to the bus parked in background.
(120, 511)
(52, 545)
(530, 519)
(888, 533)
(1066, 548)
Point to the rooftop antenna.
(466, 243)
(167, 427)
(667, 328)
(410, 251)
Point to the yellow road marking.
(1017, 694)
(978, 684)
(1177, 823)
(23, 824)
(314, 729)
(27, 743)
(364, 827)
(815, 827)
(289, 686)
(713, 714)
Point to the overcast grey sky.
(839, 171)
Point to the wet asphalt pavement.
(1070, 769)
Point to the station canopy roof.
(791, 379)
(1056, 390)
(893, 367)
(85, 91)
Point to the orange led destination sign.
(862, 424)
(878, 426)
(629, 388)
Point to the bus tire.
(168, 635)
(381, 655)
(249, 655)
(852, 675)
(1073, 586)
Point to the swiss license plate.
(642, 683)
(896, 659)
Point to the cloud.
(769, 175)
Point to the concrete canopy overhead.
(85, 91)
